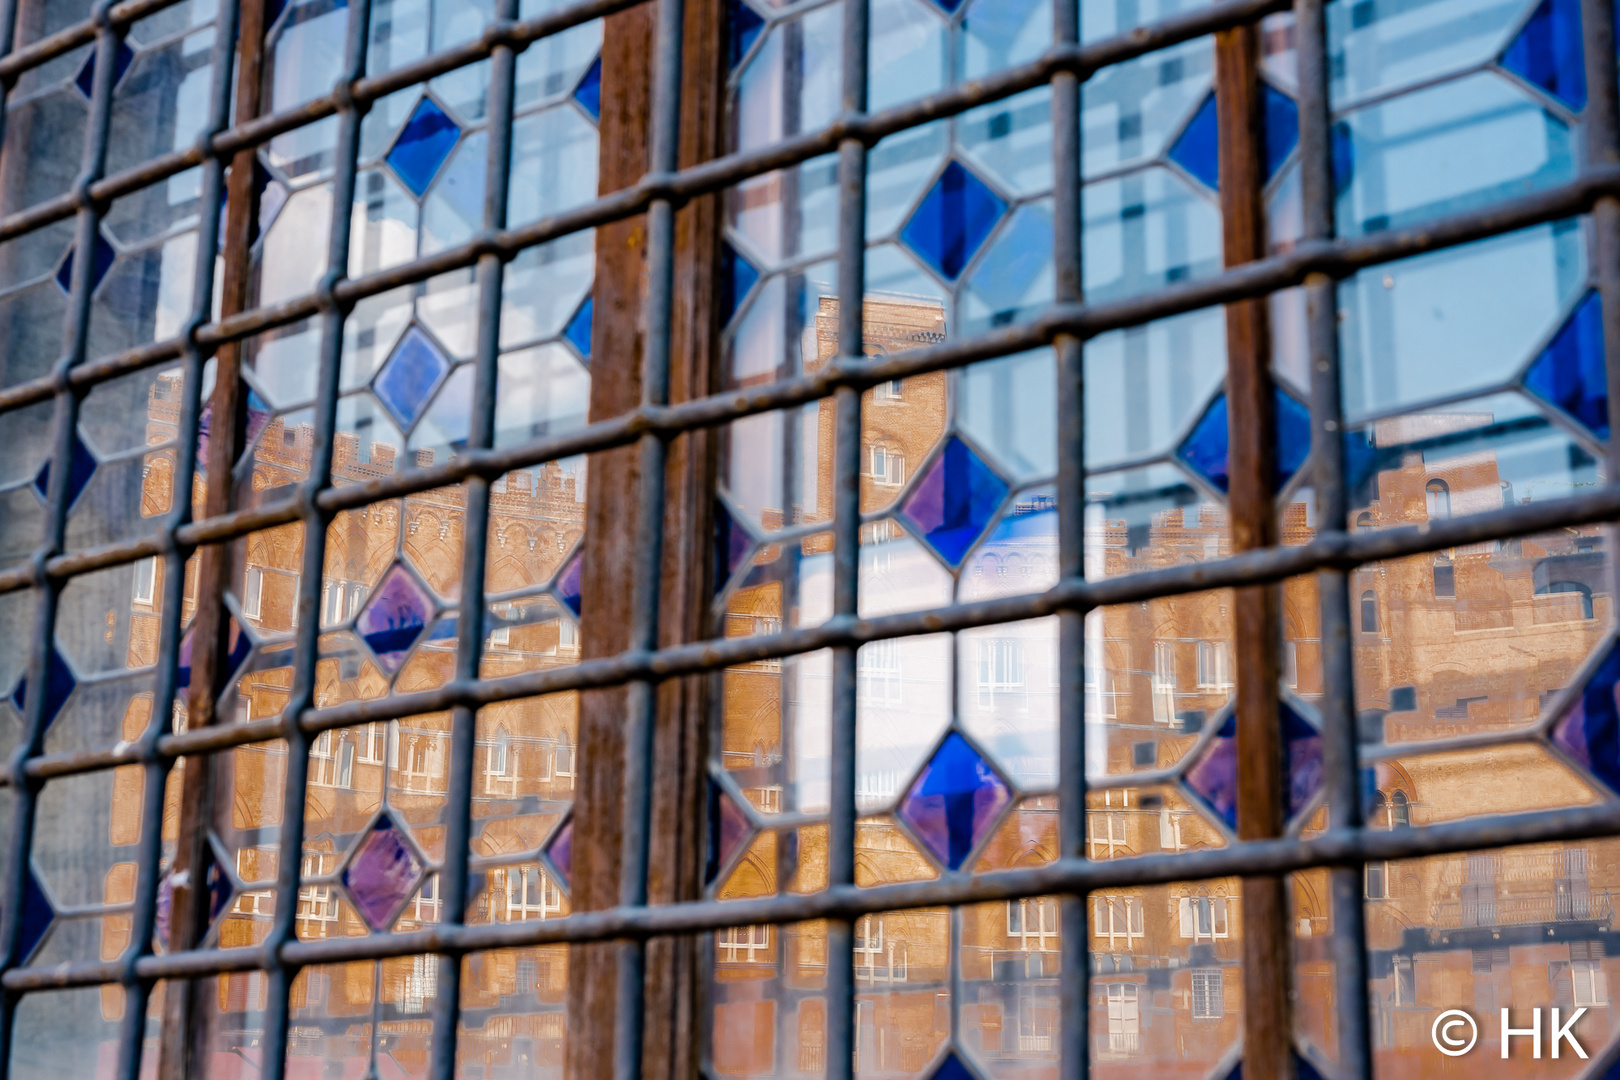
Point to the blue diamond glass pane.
(954, 801)
(35, 919)
(731, 542)
(394, 617)
(1206, 449)
(410, 375)
(737, 276)
(561, 851)
(84, 464)
(1213, 776)
(1589, 730)
(1569, 371)
(1197, 148)
(98, 269)
(381, 874)
(568, 584)
(589, 91)
(953, 221)
(578, 331)
(86, 79)
(1282, 127)
(1547, 51)
(59, 683)
(427, 139)
(746, 24)
(952, 1069)
(955, 499)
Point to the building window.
(1400, 811)
(1032, 925)
(1208, 994)
(888, 390)
(253, 594)
(1124, 1019)
(1364, 521)
(1214, 665)
(1579, 588)
(373, 743)
(878, 671)
(1377, 881)
(744, 944)
(877, 960)
(1001, 667)
(1164, 682)
(1589, 986)
(888, 466)
(1437, 499)
(1203, 918)
(1369, 612)
(1445, 579)
(146, 576)
(331, 760)
(1117, 920)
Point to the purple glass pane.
(1589, 730)
(394, 617)
(1213, 777)
(731, 543)
(568, 584)
(561, 850)
(1304, 759)
(954, 801)
(731, 829)
(955, 499)
(381, 874)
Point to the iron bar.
(1063, 877)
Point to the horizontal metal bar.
(1339, 258)
(675, 187)
(1067, 876)
(1328, 549)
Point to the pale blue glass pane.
(32, 322)
(43, 146)
(289, 266)
(553, 164)
(1013, 279)
(384, 224)
(910, 37)
(1380, 45)
(540, 391)
(787, 214)
(1448, 149)
(771, 103)
(544, 286)
(1009, 407)
(454, 209)
(145, 296)
(1145, 230)
(1131, 111)
(1144, 385)
(161, 105)
(998, 34)
(1456, 320)
(898, 170)
(1011, 141)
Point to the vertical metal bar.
(210, 627)
(156, 769)
(1349, 943)
(1267, 959)
(846, 544)
(1074, 1055)
(315, 520)
(646, 583)
(475, 548)
(1601, 146)
(57, 504)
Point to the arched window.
(1378, 812)
(1437, 499)
(1445, 578)
(1579, 587)
(1364, 521)
(1400, 813)
(1369, 612)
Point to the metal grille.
(1317, 263)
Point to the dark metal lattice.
(1317, 262)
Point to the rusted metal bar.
(1251, 412)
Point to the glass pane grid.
(941, 800)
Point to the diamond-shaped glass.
(423, 144)
(1212, 778)
(1569, 371)
(589, 91)
(952, 1069)
(955, 499)
(1546, 52)
(567, 586)
(953, 220)
(729, 828)
(731, 543)
(1206, 450)
(410, 375)
(561, 851)
(59, 683)
(98, 269)
(84, 465)
(36, 917)
(1197, 148)
(737, 276)
(394, 617)
(1589, 730)
(240, 645)
(578, 330)
(746, 24)
(381, 874)
(954, 800)
(86, 79)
